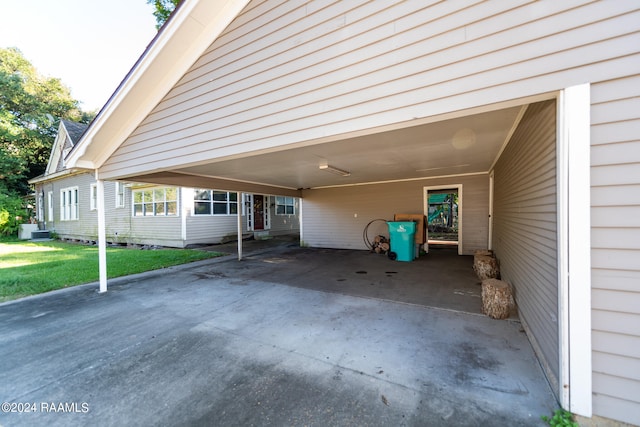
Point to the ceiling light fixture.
(326, 167)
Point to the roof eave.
(181, 41)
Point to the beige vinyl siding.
(83, 228)
(152, 230)
(120, 226)
(615, 242)
(118, 220)
(298, 71)
(285, 224)
(336, 217)
(213, 228)
(525, 239)
(163, 231)
(221, 228)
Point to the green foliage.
(163, 9)
(30, 108)
(12, 214)
(12, 169)
(560, 418)
(29, 268)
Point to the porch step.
(40, 234)
(261, 235)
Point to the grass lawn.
(28, 268)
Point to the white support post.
(301, 222)
(240, 206)
(491, 185)
(102, 236)
(574, 248)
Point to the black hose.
(365, 235)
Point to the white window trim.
(69, 211)
(293, 204)
(120, 195)
(153, 201)
(212, 202)
(50, 212)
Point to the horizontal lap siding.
(219, 228)
(120, 226)
(285, 224)
(85, 227)
(213, 228)
(286, 72)
(337, 217)
(118, 219)
(615, 254)
(525, 239)
(156, 230)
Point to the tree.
(30, 107)
(163, 9)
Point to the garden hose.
(365, 235)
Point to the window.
(50, 205)
(94, 197)
(285, 205)
(214, 202)
(69, 204)
(155, 202)
(120, 195)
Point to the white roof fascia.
(189, 31)
(56, 175)
(56, 149)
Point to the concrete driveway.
(221, 342)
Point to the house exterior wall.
(82, 228)
(525, 230)
(221, 228)
(615, 247)
(306, 70)
(336, 217)
(285, 224)
(122, 227)
(301, 71)
(203, 229)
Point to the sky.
(89, 45)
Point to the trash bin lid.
(402, 226)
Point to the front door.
(258, 212)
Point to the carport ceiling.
(463, 145)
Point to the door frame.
(266, 214)
(425, 207)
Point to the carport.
(218, 115)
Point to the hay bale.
(482, 252)
(497, 299)
(486, 267)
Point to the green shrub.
(560, 418)
(12, 214)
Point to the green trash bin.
(402, 234)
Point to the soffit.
(464, 145)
